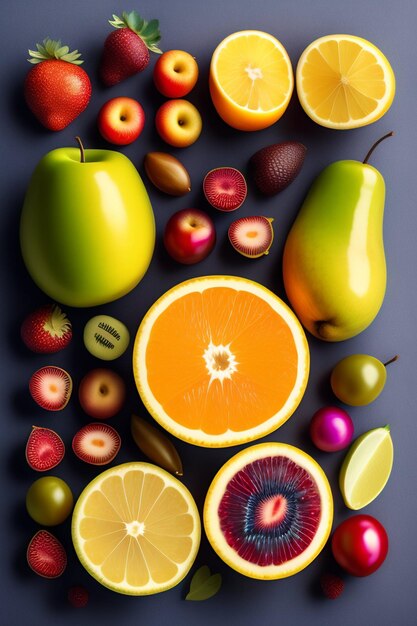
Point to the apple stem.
(390, 134)
(394, 358)
(81, 147)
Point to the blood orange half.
(269, 511)
(220, 360)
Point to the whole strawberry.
(46, 330)
(126, 49)
(56, 89)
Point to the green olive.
(358, 379)
(49, 501)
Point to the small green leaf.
(204, 585)
(150, 27)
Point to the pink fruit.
(44, 449)
(331, 429)
(46, 330)
(51, 387)
(252, 236)
(97, 444)
(189, 236)
(225, 188)
(46, 555)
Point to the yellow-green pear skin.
(334, 261)
(87, 228)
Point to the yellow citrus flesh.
(220, 360)
(224, 502)
(251, 80)
(344, 81)
(366, 468)
(136, 529)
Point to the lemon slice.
(136, 529)
(366, 468)
(251, 79)
(344, 81)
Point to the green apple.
(87, 229)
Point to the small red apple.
(175, 73)
(102, 393)
(189, 236)
(178, 123)
(121, 120)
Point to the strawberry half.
(46, 555)
(46, 330)
(56, 89)
(126, 50)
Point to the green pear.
(334, 261)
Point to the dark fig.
(167, 173)
(155, 445)
(274, 167)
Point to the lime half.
(366, 468)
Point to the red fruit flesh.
(57, 92)
(46, 555)
(44, 449)
(51, 387)
(270, 511)
(251, 236)
(97, 444)
(78, 596)
(331, 585)
(46, 330)
(124, 55)
(225, 188)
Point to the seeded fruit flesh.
(46, 555)
(225, 188)
(51, 387)
(252, 236)
(268, 511)
(44, 449)
(97, 444)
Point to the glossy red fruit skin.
(189, 236)
(46, 556)
(124, 55)
(35, 335)
(57, 92)
(360, 545)
(117, 131)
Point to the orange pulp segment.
(220, 360)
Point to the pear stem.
(390, 134)
(394, 358)
(81, 147)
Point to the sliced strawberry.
(51, 387)
(44, 449)
(46, 330)
(97, 443)
(46, 555)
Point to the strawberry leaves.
(52, 49)
(204, 584)
(147, 31)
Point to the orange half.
(220, 360)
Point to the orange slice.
(220, 360)
(251, 80)
(344, 82)
(136, 529)
(269, 510)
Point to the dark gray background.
(388, 596)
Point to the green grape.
(49, 501)
(358, 379)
